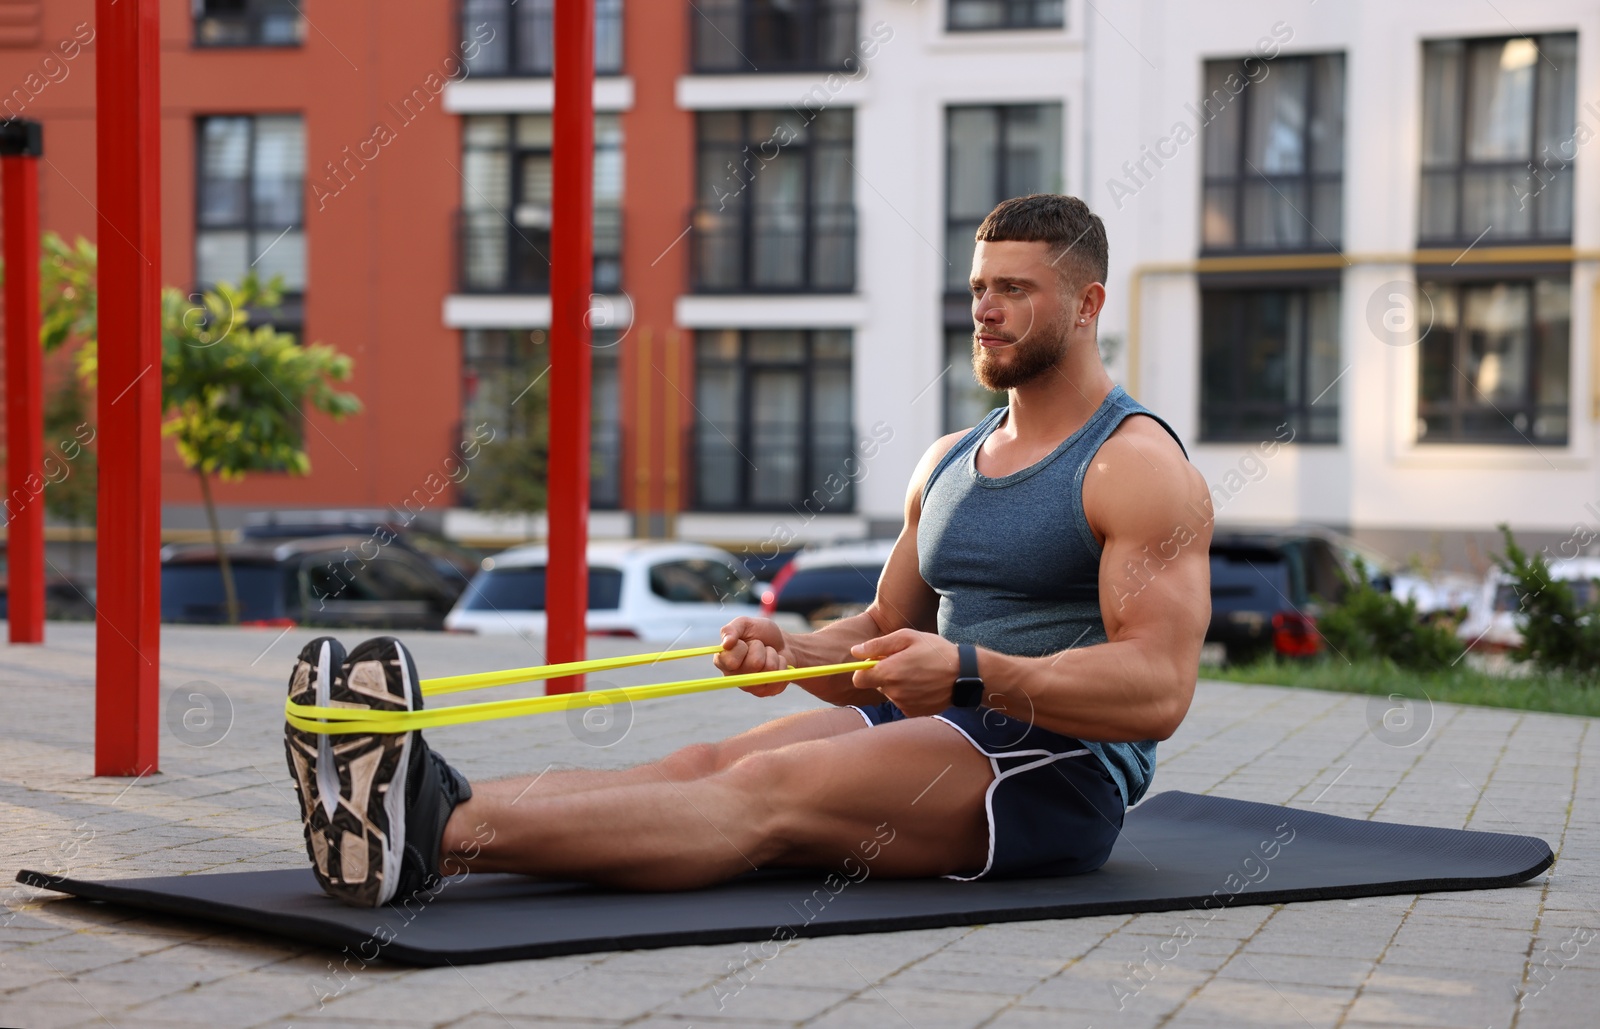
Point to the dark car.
(65, 600)
(320, 581)
(1267, 587)
(764, 567)
(825, 584)
(454, 563)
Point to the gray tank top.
(1015, 563)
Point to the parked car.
(319, 581)
(1446, 596)
(764, 567)
(681, 593)
(827, 583)
(454, 563)
(1268, 585)
(65, 600)
(1494, 621)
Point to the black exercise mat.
(1177, 851)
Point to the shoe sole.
(309, 757)
(372, 773)
(352, 787)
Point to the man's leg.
(694, 761)
(906, 798)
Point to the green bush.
(1559, 634)
(1369, 625)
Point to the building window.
(248, 23)
(1269, 358)
(773, 429)
(517, 37)
(1494, 365)
(1498, 140)
(779, 223)
(498, 366)
(504, 223)
(965, 402)
(1274, 154)
(250, 205)
(992, 153)
(774, 35)
(978, 15)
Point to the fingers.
(883, 646)
(734, 631)
(744, 656)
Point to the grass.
(1535, 691)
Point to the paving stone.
(1447, 959)
(736, 1000)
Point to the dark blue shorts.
(1053, 808)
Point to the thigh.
(900, 799)
(800, 727)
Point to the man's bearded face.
(1038, 349)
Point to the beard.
(1022, 362)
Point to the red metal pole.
(24, 503)
(571, 279)
(128, 538)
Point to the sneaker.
(374, 805)
(310, 754)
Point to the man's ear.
(1091, 300)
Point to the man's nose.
(987, 311)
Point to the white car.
(1435, 593)
(1493, 622)
(675, 593)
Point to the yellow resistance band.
(341, 721)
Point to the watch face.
(967, 693)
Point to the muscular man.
(1037, 629)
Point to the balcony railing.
(787, 248)
(248, 23)
(517, 37)
(495, 256)
(746, 36)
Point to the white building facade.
(1353, 247)
(1354, 250)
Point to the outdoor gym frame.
(128, 538)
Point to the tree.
(67, 320)
(236, 397)
(1369, 624)
(71, 468)
(1560, 631)
(69, 307)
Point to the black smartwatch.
(968, 690)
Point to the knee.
(696, 761)
(772, 787)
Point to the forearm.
(831, 645)
(1117, 692)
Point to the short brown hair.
(1075, 234)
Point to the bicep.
(1157, 586)
(1154, 511)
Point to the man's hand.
(754, 645)
(916, 670)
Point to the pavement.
(1525, 956)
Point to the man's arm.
(903, 601)
(1152, 511)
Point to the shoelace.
(339, 720)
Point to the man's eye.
(1013, 288)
